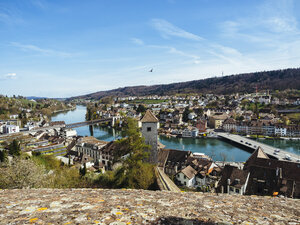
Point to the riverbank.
(213, 147)
(64, 110)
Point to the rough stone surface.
(122, 207)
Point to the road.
(252, 144)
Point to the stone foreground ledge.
(121, 207)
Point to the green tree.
(3, 156)
(141, 109)
(185, 114)
(135, 172)
(14, 148)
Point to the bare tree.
(223, 157)
(21, 173)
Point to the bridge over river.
(252, 145)
(110, 120)
(91, 122)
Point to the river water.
(215, 148)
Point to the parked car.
(287, 157)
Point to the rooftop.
(149, 117)
(92, 140)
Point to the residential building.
(186, 176)
(217, 120)
(9, 129)
(91, 146)
(229, 125)
(233, 180)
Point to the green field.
(148, 101)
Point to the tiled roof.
(189, 171)
(149, 117)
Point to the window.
(148, 129)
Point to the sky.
(64, 48)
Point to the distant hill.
(35, 97)
(242, 83)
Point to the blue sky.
(63, 48)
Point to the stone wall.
(98, 206)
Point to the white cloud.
(9, 76)
(281, 24)
(167, 29)
(137, 41)
(278, 16)
(43, 51)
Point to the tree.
(141, 109)
(223, 157)
(3, 156)
(14, 148)
(88, 115)
(21, 173)
(185, 115)
(82, 170)
(226, 102)
(135, 172)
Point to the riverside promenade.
(253, 145)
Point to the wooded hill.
(242, 83)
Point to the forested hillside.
(242, 83)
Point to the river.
(215, 148)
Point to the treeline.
(241, 83)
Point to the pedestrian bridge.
(110, 120)
(252, 145)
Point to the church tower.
(150, 125)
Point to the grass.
(294, 116)
(148, 101)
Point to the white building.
(265, 99)
(280, 131)
(92, 147)
(192, 116)
(187, 176)
(186, 133)
(15, 116)
(9, 129)
(70, 133)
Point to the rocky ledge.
(121, 207)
